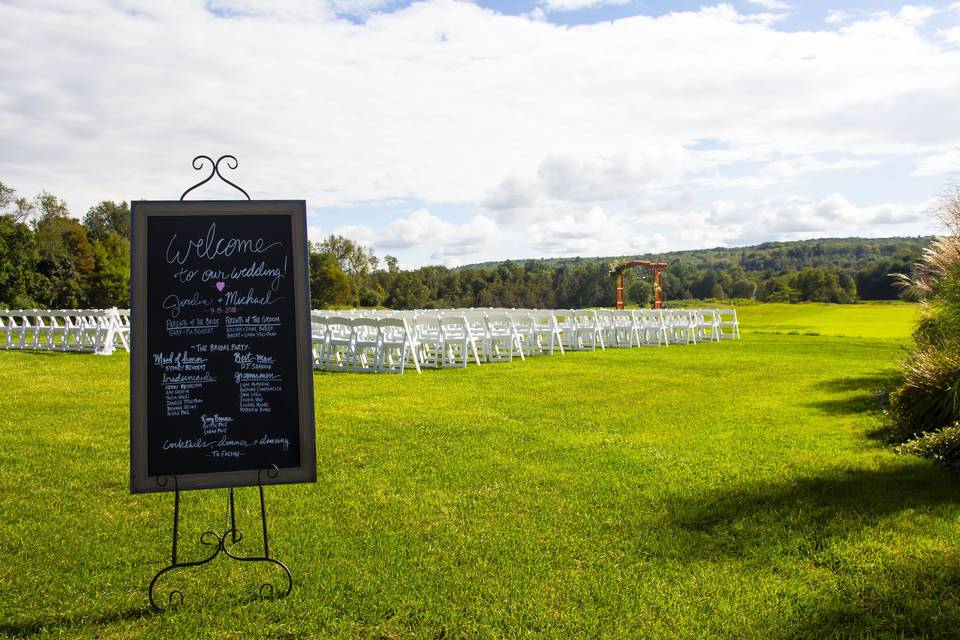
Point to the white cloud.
(835, 16)
(315, 233)
(573, 5)
(916, 15)
(799, 217)
(588, 232)
(446, 102)
(950, 35)
(445, 241)
(937, 164)
(773, 5)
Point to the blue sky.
(449, 131)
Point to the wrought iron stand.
(221, 543)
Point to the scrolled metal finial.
(233, 166)
(198, 165)
(231, 162)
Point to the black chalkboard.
(221, 364)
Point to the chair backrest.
(339, 327)
(564, 318)
(454, 326)
(365, 328)
(394, 330)
(427, 327)
(499, 322)
(522, 320)
(727, 315)
(585, 318)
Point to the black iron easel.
(221, 542)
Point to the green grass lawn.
(734, 490)
(867, 319)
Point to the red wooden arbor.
(656, 267)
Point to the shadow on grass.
(869, 393)
(49, 625)
(871, 383)
(901, 600)
(43, 353)
(800, 518)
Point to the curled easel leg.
(221, 543)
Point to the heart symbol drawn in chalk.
(221, 285)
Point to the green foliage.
(47, 258)
(929, 395)
(928, 398)
(66, 263)
(18, 255)
(110, 285)
(108, 217)
(329, 286)
(942, 445)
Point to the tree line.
(50, 259)
(841, 270)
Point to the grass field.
(866, 320)
(735, 490)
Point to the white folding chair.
(728, 327)
(503, 336)
(708, 325)
(678, 329)
(339, 344)
(458, 342)
(606, 327)
(546, 333)
(121, 328)
(429, 339)
(365, 356)
(477, 322)
(397, 344)
(586, 330)
(4, 331)
(567, 328)
(624, 330)
(523, 325)
(318, 337)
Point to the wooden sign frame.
(306, 470)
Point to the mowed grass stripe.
(718, 490)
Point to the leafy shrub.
(929, 396)
(942, 445)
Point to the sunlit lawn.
(866, 319)
(719, 490)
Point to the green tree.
(408, 292)
(66, 263)
(329, 286)
(18, 262)
(110, 283)
(744, 288)
(108, 217)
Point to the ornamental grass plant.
(926, 403)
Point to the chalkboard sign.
(221, 385)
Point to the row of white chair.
(97, 330)
(387, 341)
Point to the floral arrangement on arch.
(617, 267)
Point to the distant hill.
(842, 253)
